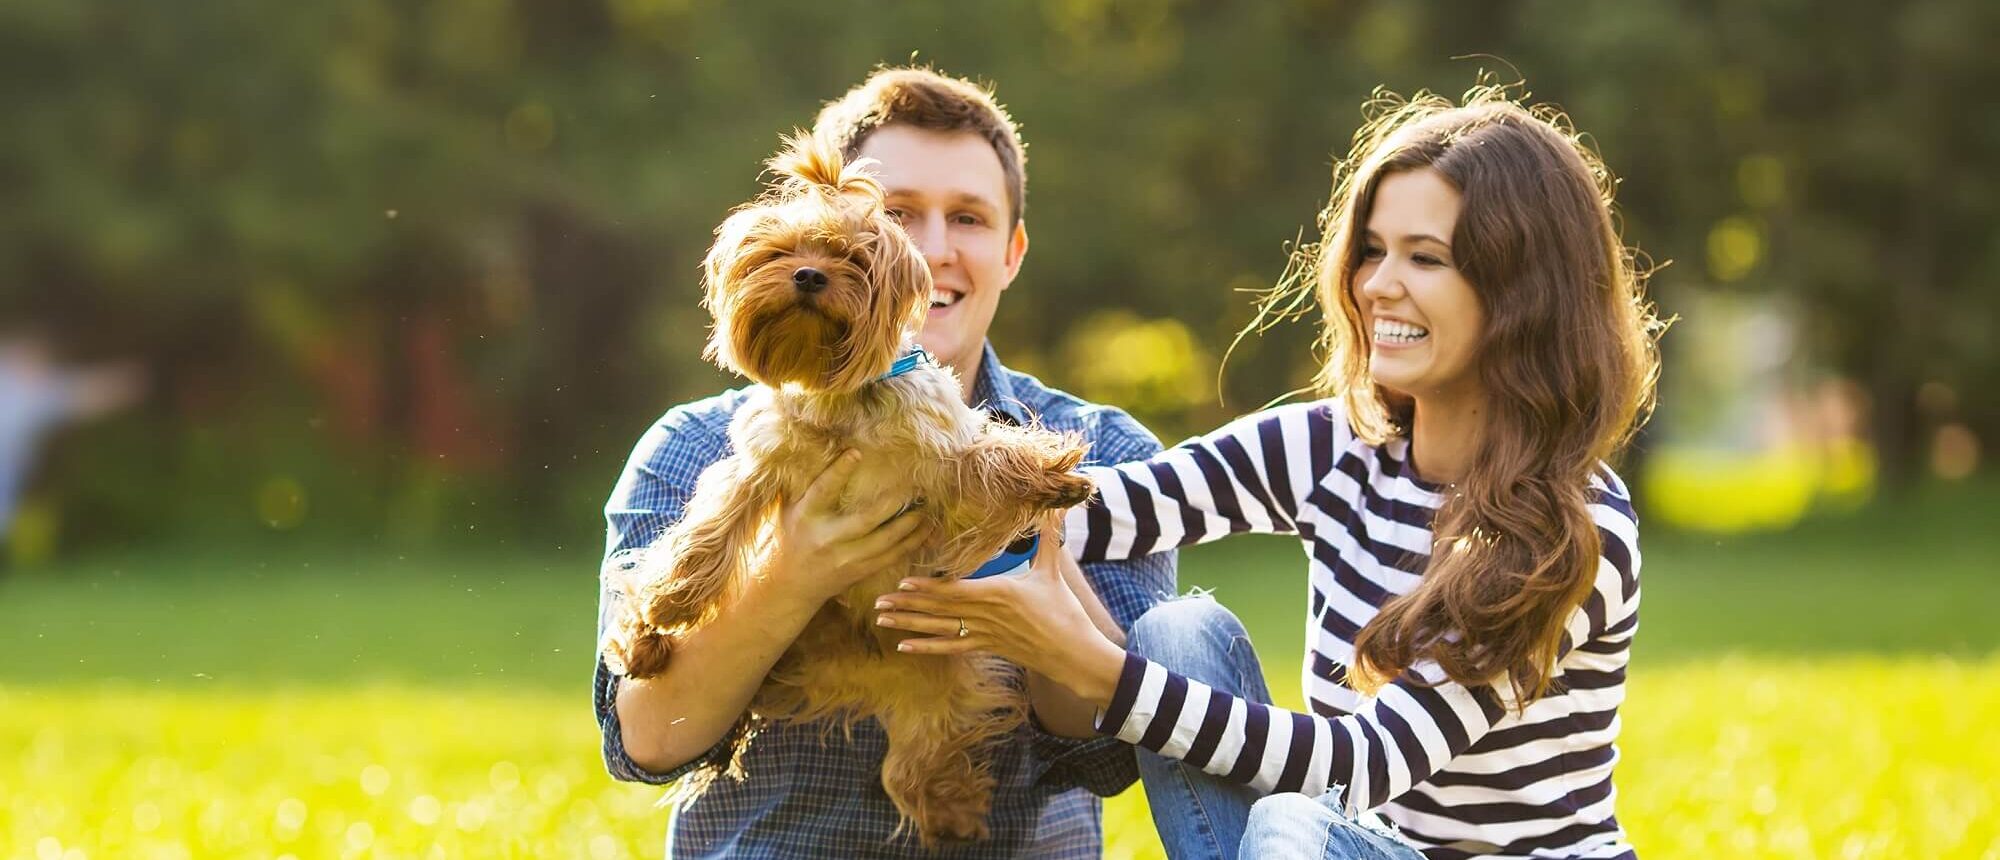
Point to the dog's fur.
(821, 358)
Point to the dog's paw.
(961, 828)
(942, 803)
(961, 818)
(1068, 490)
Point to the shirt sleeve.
(35, 401)
(1102, 765)
(1249, 476)
(1412, 728)
(651, 495)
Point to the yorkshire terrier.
(818, 294)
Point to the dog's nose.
(809, 279)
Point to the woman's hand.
(1030, 618)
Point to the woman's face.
(1423, 318)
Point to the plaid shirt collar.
(993, 390)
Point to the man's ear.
(1017, 250)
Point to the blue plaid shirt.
(818, 794)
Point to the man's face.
(949, 192)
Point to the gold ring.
(961, 628)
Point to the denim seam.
(1207, 824)
(1326, 845)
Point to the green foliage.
(453, 242)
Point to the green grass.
(120, 772)
(1824, 693)
(1769, 757)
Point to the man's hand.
(818, 551)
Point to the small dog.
(816, 292)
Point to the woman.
(1473, 562)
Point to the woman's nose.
(1381, 282)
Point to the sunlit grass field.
(1850, 757)
(1832, 692)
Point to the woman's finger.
(966, 590)
(1047, 563)
(928, 604)
(960, 595)
(929, 625)
(944, 645)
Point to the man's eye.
(899, 215)
(966, 218)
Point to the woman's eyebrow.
(1411, 238)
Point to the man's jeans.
(1202, 816)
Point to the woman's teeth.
(1392, 331)
(944, 298)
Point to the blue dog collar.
(911, 360)
(1016, 556)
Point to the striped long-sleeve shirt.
(1458, 772)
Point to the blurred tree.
(433, 262)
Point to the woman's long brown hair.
(1568, 361)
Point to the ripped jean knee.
(1199, 638)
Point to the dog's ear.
(722, 267)
(694, 568)
(902, 279)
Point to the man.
(952, 164)
(38, 395)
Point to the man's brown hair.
(931, 100)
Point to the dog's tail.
(812, 163)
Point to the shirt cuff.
(1112, 720)
(1103, 766)
(619, 763)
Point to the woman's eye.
(1371, 253)
(1427, 260)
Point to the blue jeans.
(1202, 816)
(1198, 816)
(1294, 825)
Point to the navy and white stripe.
(1452, 766)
